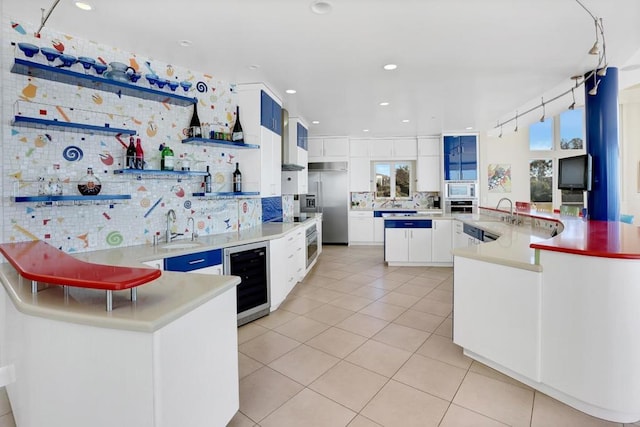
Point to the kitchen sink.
(180, 245)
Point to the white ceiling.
(460, 62)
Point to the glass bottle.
(139, 155)
(131, 155)
(195, 129)
(89, 185)
(237, 135)
(167, 161)
(237, 180)
(207, 181)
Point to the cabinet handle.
(290, 256)
(196, 261)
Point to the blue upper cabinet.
(460, 157)
(303, 135)
(270, 113)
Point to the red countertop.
(40, 261)
(606, 239)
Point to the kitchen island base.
(78, 375)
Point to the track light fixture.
(599, 48)
(500, 136)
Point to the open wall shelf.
(97, 82)
(219, 143)
(33, 122)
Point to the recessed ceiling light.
(253, 67)
(290, 91)
(469, 127)
(365, 130)
(405, 121)
(83, 6)
(320, 7)
(384, 104)
(185, 43)
(390, 67)
(315, 122)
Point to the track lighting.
(500, 136)
(573, 104)
(599, 48)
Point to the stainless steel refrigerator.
(329, 194)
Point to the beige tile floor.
(360, 344)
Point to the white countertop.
(158, 302)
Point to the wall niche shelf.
(76, 199)
(157, 173)
(68, 76)
(33, 122)
(220, 143)
(227, 194)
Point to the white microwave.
(460, 190)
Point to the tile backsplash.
(367, 201)
(33, 153)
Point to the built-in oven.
(251, 263)
(311, 243)
(460, 206)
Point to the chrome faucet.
(194, 233)
(511, 219)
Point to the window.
(541, 183)
(394, 179)
(572, 130)
(541, 135)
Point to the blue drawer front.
(407, 223)
(378, 214)
(195, 261)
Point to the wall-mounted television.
(574, 173)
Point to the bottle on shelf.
(167, 160)
(139, 155)
(131, 155)
(237, 180)
(195, 128)
(237, 135)
(207, 181)
(89, 185)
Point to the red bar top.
(606, 239)
(42, 262)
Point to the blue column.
(601, 118)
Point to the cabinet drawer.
(195, 261)
(408, 223)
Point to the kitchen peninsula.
(558, 314)
(169, 358)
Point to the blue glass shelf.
(228, 194)
(33, 122)
(76, 198)
(157, 172)
(219, 143)
(97, 82)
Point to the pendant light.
(573, 104)
(594, 89)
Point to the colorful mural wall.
(34, 158)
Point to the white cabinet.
(157, 263)
(360, 174)
(328, 149)
(404, 149)
(261, 169)
(408, 242)
(360, 227)
(359, 148)
(428, 165)
(287, 264)
(296, 182)
(378, 230)
(442, 236)
(381, 149)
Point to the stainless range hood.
(288, 144)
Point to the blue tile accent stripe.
(272, 209)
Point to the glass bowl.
(67, 60)
(50, 53)
(99, 67)
(28, 49)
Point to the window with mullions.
(541, 183)
(393, 179)
(541, 135)
(572, 129)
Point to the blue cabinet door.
(270, 113)
(460, 157)
(302, 133)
